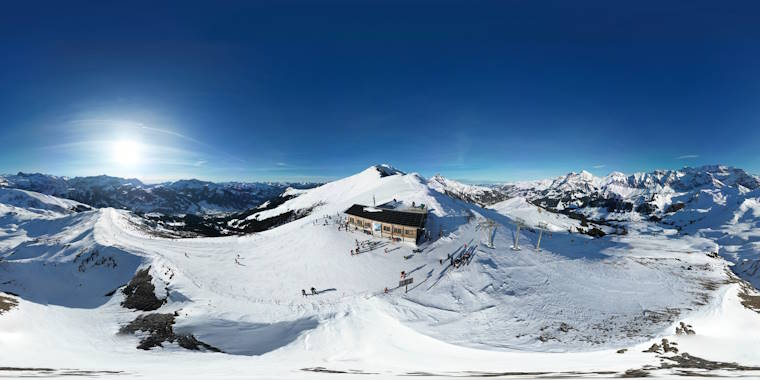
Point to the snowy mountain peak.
(471, 193)
(387, 170)
(60, 263)
(190, 196)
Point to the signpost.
(405, 283)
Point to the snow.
(532, 215)
(183, 196)
(725, 330)
(569, 307)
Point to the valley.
(109, 292)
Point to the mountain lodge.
(392, 220)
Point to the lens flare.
(126, 152)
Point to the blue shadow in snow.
(245, 338)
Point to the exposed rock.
(684, 329)
(545, 337)
(190, 225)
(674, 208)
(159, 329)
(655, 348)
(7, 303)
(685, 360)
(179, 197)
(749, 297)
(635, 373)
(140, 293)
(669, 347)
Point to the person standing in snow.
(313, 290)
(303, 292)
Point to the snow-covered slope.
(716, 202)
(566, 308)
(20, 202)
(653, 189)
(18, 207)
(481, 195)
(179, 197)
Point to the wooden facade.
(405, 226)
(387, 230)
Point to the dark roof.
(404, 218)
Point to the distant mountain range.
(626, 262)
(179, 197)
(717, 202)
(649, 193)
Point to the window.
(409, 232)
(387, 228)
(367, 224)
(351, 219)
(396, 230)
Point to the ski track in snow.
(566, 308)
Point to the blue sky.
(480, 91)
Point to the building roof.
(401, 206)
(404, 218)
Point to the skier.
(303, 292)
(403, 274)
(313, 291)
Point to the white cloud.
(687, 157)
(598, 166)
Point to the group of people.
(326, 219)
(313, 292)
(368, 245)
(462, 259)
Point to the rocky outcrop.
(140, 294)
(158, 329)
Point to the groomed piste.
(233, 307)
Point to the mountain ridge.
(174, 197)
(484, 306)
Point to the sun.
(126, 152)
